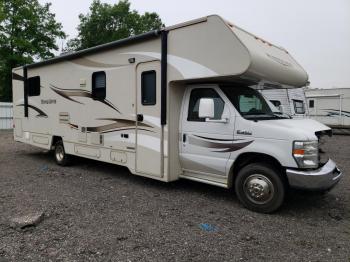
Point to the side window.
(311, 103)
(99, 85)
(299, 106)
(195, 97)
(148, 88)
(276, 103)
(34, 86)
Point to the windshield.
(249, 103)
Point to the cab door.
(206, 145)
(148, 129)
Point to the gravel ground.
(99, 212)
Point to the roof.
(96, 49)
(114, 44)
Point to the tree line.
(29, 32)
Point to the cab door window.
(196, 95)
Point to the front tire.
(61, 157)
(260, 188)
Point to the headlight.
(305, 153)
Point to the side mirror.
(206, 108)
(281, 109)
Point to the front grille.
(323, 138)
(322, 157)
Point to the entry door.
(148, 130)
(312, 107)
(206, 146)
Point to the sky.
(315, 32)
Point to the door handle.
(139, 117)
(223, 120)
(184, 138)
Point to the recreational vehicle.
(290, 101)
(5, 115)
(331, 107)
(178, 103)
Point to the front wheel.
(61, 157)
(260, 188)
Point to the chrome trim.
(205, 181)
(258, 189)
(222, 120)
(320, 179)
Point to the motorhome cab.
(177, 103)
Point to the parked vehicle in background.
(6, 115)
(178, 103)
(331, 107)
(290, 101)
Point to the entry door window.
(148, 88)
(311, 103)
(99, 85)
(196, 95)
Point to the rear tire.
(260, 187)
(61, 157)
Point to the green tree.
(106, 23)
(28, 32)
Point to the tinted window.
(199, 93)
(299, 107)
(148, 88)
(99, 85)
(311, 103)
(34, 86)
(276, 103)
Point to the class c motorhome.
(178, 103)
(330, 106)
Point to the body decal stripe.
(216, 139)
(41, 113)
(17, 77)
(235, 146)
(223, 147)
(65, 95)
(69, 93)
(337, 110)
(120, 124)
(335, 113)
(125, 122)
(126, 129)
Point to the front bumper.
(321, 179)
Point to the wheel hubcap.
(59, 153)
(259, 189)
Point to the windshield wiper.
(278, 115)
(264, 116)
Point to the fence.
(6, 116)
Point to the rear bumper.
(320, 179)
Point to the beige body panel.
(270, 62)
